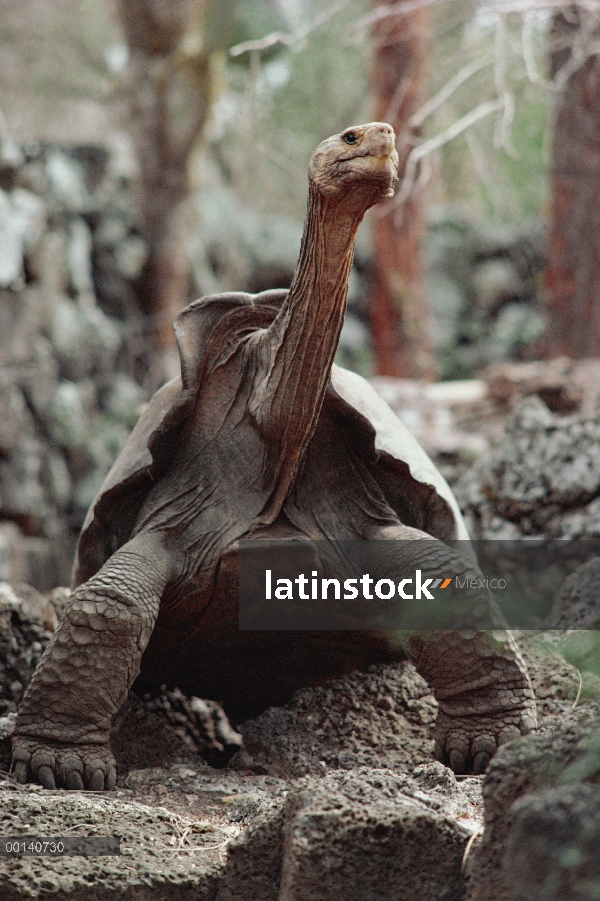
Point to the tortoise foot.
(467, 743)
(71, 766)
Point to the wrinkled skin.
(259, 451)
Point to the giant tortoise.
(262, 437)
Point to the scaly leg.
(478, 677)
(62, 730)
(481, 684)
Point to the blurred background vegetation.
(247, 120)
(61, 61)
(203, 95)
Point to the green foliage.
(582, 649)
(587, 763)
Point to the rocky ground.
(332, 796)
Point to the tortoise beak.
(383, 167)
(381, 156)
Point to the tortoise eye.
(350, 137)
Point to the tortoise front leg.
(481, 684)
(478, 677)
(63, 725)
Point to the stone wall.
(70, 364)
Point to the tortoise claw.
(74, 781)
(21, 771)
(46, 777)
(470, 742)
(457, 762)
(439, 751)
(111, 778)
(480, 763)
(96, 783)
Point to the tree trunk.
(400, 316)
(168, 88)
(574, 269)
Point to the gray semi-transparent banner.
(60, 846)
(419, 584)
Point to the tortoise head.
(362, 159)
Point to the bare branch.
(521, 7)
(449, 88)
(529, 55)
(288, 40)
(507, 98)
(581, 48)
(270, 40)
(552, 6)
(423, 150)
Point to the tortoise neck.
(304, 336)
(325, 260)
(307, 328)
